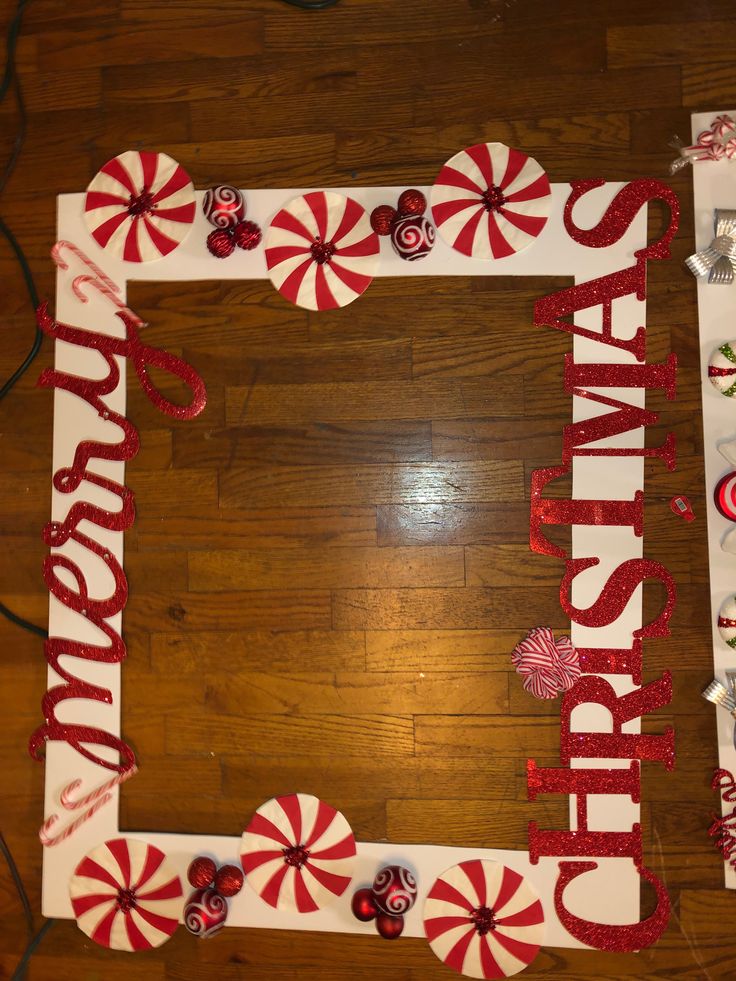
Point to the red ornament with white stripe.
(484, 920)
(412, 237)
(321, 251)
(125, 896)
(298, 853)
(223, 206)
(394, 890)
(491, 201)
(205, 912)
(140, 206)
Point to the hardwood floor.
(330, 566)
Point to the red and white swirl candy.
(725, 495)
(126, 896)
(298, 853)
(491, 201)
(321, 251)
(548, 666)
(140, 206)
(484, 920)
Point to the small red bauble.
(247, 235)
(394, 890)
(201, 873)
(413, 237)
(205, 913)
(390, 927)
(381, 219)
(412, 202)
(363, 905)
(223, 206)
(229, 880)
(220, 243)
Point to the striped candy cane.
(102, 287)
(83, 257)
(93, 802)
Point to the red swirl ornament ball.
(363, 906)
(201, 872)
(224, 206)
(413, 237)
(394, 890)
(382, 218)
(229, 880)
(220, 243)
(205, 913)
(390, 927)
(247, 235)
(412, 202)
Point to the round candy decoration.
(205, 912)
(394, 890)
(412, 237)
(491, 201)
(125, 896)
(722, 369)
(298, 853)
(483, 920)
(223, 206)
(725, 495)
(140, 206)
(727, 621)
(321, 251)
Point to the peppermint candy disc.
(483, 920)
(321, 251)
(725, 495)
(491, 201)
(140, 206)
(298, 853)
(722, 369)
(125, 896)
(727, 621)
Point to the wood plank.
(258, 650)
(272, 735)
(330, 444)
(340, 401)
(425, 651)
(258, 528)
(452, 524)
(509, 565)
(304, 568)
(471, 608)
(439, 735)
(367, 484)
(392, 693)
(665, 44)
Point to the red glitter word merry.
(97, 611)
(622, 583)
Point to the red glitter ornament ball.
(223, 206)
(412, 202)
(247, 235)
(229, 880)
(201, 873)
(390, 927)
(382, 218)
(220, 243)
(394, 890)
(363, 905)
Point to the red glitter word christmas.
(622, 583)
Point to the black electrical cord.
(311, 4)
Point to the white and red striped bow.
(548, 666)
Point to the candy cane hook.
(102, 287)
(48, 841)
(93, 795)
(83, 257)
